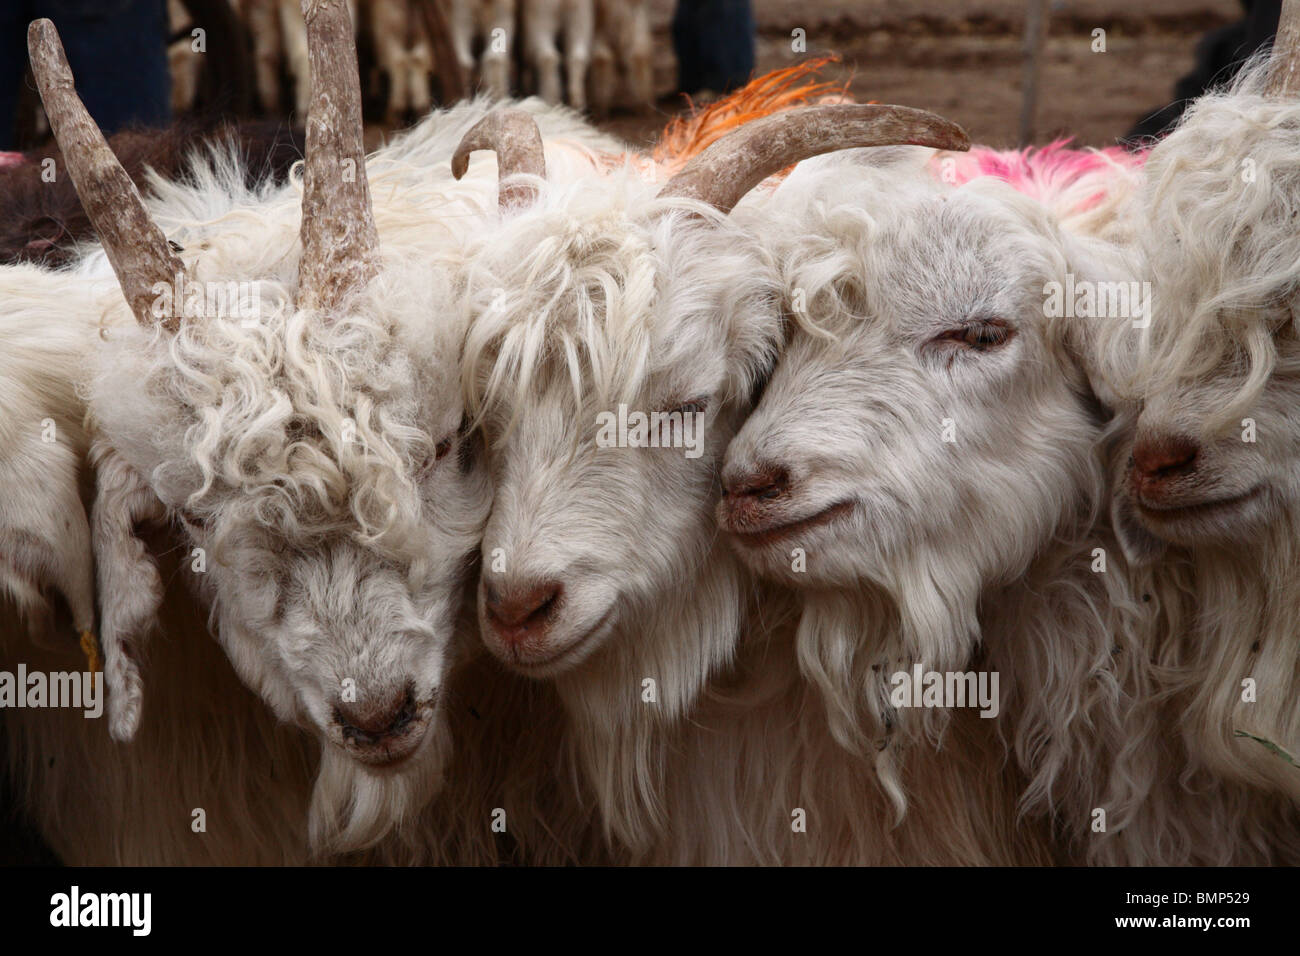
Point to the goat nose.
(376, 719)
(1165, 456)
(518, 613)
(766, 481)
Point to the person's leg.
(118, 53)
(736, 45)
(1219, 55)
(1262, 17)
(714, 41)
(686, 45)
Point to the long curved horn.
(738, 162)
(340, 246)
(136, 247)
(1284, 80)
(513, 135)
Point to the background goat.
(491, 23)
(622, 48)
(43, 220)
(404, 54)
(547, 23)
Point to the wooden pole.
(1036, 16)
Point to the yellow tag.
(90, 647)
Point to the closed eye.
(695, 406)
(980, 335)
(440, 451)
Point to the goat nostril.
(372, 721)
(766, 482)
(1165, 456)
(523, 609)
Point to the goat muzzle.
(383, 730)
(1163, 462)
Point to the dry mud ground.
(962, 58)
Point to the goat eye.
(695, 406)
(982, 335)
(440, 451)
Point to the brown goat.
(41, 219)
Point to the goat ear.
(44, 534)
(130, 588)
(1141, 548)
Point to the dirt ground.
(963, 58)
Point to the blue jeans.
(714, 42)
(117, 50)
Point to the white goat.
(183, 62)
(841, 485)
(298, 447)
(261, 18)
(252, 779)
(493, 23)
(419, 209)
(544, 23)
(981, 539)
(1210, 493)
(405, 54)
(622, 46)
(44, 534)
(601, 567)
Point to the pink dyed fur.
(1083, 187)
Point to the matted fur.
(760, 753)
(288, 438)
(45, 331)
(1221, 356)
(92, 798)
(263, 409)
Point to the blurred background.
(1091, 69)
